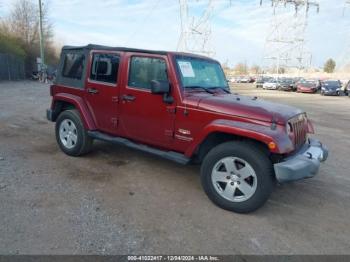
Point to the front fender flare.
(259, 132)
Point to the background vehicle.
(244, 79)
(178, 106)
(331, 87)
(261, 80)
(307, 86)
(347, 89)
(271, 84)
(318, 83)
(287, 84)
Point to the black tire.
(84, 142)
(256, 158)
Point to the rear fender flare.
(80, 105)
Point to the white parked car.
(271, 84)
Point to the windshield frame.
(208, 60)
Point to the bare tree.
(240, 68)
(23, 24)
(255, 69)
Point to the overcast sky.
(239, 28)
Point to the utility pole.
(285, 43)
(343, 61)
(41, 38)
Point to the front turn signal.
(272, 145)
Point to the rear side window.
(145, 69)
(73, 66)
(104, 68)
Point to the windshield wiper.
(201, 87)
(222, 88)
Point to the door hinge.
(169, 133)
(115, 99)
(171, 109)
(114, 121)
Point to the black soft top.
(85, 50)
(90, 47)
(109, 48)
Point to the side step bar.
(170, 155)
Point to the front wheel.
(71, 135)
(237, 176)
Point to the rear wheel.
(71, 135)
(237, 176)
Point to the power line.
(344, 59)
(285, 43)
(153, 8)
(195, 36)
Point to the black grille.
(299, 129)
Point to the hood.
(331, 87)
(248, 107)
(307, 85)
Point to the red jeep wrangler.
(179, 106)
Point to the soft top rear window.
(73, 66)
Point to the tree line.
(19, 34)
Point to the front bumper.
(304, 164)
(270, 87)
(330, 92)
(307, 90)
(286, 88)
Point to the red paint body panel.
(306, 89)
(147, 118)
(254, 131)
(60, 94)
(104, 104)
(181, 126)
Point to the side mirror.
(160, 87)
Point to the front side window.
(104, 68)
(145, 69)
(73, 65)
(197, 72)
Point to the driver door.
(144, 116)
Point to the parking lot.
(121, 201)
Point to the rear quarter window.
(73, 66)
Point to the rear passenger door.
(102, 89)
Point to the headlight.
(322, 88)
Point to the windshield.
(200, 73)
(331, 83)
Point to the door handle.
(128, 97)
(92, 91)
